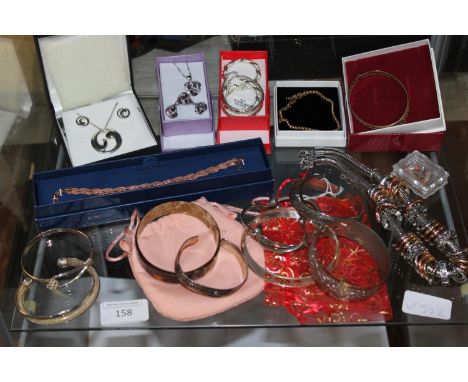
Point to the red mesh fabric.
(380, 100)
(311, 304)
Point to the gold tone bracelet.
(296, 97)
(67, 315)
(378, 73)
(53, 282)
(178, 179)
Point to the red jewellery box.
(233, 128)
(393, 99)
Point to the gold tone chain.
(178, 179)
(296, 97)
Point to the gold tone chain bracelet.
(296, 97)
(178, 179)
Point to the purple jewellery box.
(236, 184)
(172, 73)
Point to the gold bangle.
(381, 73)
(53, 283)
(66, 315)
(185, 208)
(296, 97)
(190, 284)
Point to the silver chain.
(187, 77)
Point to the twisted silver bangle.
(235, 107)
(227, 70)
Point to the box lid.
(81, 70)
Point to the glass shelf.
(117, 283)
(22, 156)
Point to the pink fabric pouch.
(160, 242)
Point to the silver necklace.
(193, 87)
(108, 133)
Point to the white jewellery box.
(327, 101)
(90, 88)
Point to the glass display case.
(30, 142)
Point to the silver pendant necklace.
(193, 87)
(104, 134)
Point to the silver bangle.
(365, 237)
(227, 70)
(238, 107)
(255, 231)
(309, 208)
(270, 277)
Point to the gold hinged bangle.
(67, 315)
(378, 73)
(53, 282)
(296, 97)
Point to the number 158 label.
(124, 312)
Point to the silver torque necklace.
(193, 87)
(108, 133)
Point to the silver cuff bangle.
(365, 237)
(193, 286)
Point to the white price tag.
(124, 312)
(425, 305)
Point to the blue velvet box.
(238, 184)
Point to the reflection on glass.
(15, 100)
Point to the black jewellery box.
(90, 87)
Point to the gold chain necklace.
(296, 97)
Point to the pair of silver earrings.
(122, 113)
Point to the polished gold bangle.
(189, 209)
(296, 97)
(378, 73)
(53, 282)
(67, 315)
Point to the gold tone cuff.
(185, 208)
